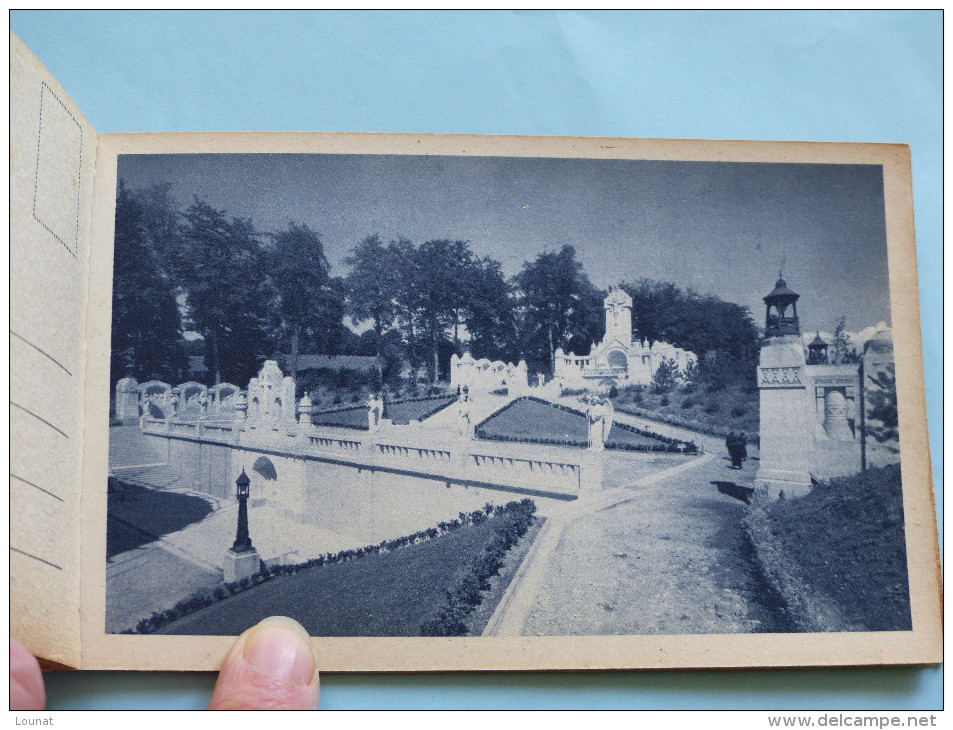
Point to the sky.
(715, 227)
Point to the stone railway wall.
(380, 485)
(213, 454)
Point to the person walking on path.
(742, 448)
(731, 442)
(737, 449)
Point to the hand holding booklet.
(460, 402)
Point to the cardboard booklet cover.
(462, 402)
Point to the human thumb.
(26, 680)
(269, 667)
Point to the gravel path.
(665, 555)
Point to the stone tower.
(618, 307)
(786, 422)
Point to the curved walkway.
(664, 554)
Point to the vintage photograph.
(398, 395)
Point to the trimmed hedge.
(207, 596)
(510, 524)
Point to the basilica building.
(620, 358)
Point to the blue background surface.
(798, 75)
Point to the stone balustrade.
(414, 451)
(266, 419)
(456, 462)
(325, 443)
(561, 474)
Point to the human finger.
(26, 680)
(270, 667)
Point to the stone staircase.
(157, 476)
(134, 460)
(128, 448)
(483, 406)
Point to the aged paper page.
(52, 165)
(212, 454)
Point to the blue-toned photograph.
(424, 395)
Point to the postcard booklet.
(463, 402)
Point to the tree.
(557, 303)
(882, 405)
(145, 316)
(441, 280)
(489, 312)
(666, 376)
(722, 334)
(299, 272)
(842, 352)
(227, 292)
(162, 217)
(402, 257)
(373, 286)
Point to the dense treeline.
(253, 294)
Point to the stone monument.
(619, 359)
(127, 399)
(597, 417)
(786, 440)
(465, 425)
(271, 398)
(375, 412)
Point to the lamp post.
(242, 542)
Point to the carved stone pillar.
(786, 435)
(304, 411)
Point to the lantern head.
(243, 482)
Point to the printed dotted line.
(36, 177)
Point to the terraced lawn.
(530, 420)
(390, 594)
(400, 413)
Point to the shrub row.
(342, 409)
(510, 523)
(197, 601)
(342, 424)
(682, 447)
(206, 596)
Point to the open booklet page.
(474, 403)
(52, 163)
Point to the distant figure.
(737, 449)
(732, 446)
(375, 410)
